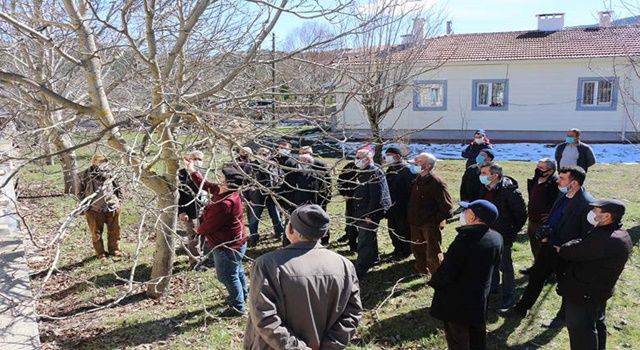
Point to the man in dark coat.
(543, 191)
(190, 203)
(303, 296)
(463, 281)
(399, 178)
(346, 185)
(323, 172)
(470, 186)
(567, 221)
(429, 206)
(288, 167)
(594, 264)
(480, 142)
(371, 202)
(266, 177)
(502, 191)
(574, 152)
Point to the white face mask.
(479, 140)
(462, 220)
(103, 166)
(389, 159)
(361, 163)
(284, 152)
(198, 163)
(591, 217)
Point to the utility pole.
(273, 74)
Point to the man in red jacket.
(223, 227)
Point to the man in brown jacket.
(98, 182)
(322, 306)
(429, 206)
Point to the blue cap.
(481, 132)
(483, 209)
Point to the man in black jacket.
(266, 175)
(594, 264)
(190, 202)
(574, 152)
(346, 185)
(470, 186)
(480, 142)
(503, 192)
(371, 202)
(288, 167)
(543, 191)
(399, 178)
(463, 281)
(567, 220)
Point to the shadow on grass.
(379, 282)
(130, 299)
(139, 333)
(395, 330)
(68, 267)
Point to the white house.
(521, 86)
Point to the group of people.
(305, 296)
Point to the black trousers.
(367, 246)
(398, 231)
(547, 262)
(585, 322)
(465, 336)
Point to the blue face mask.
(480, 159)
(415, 169)
(484, 179)
(570, 139)
(563, 189)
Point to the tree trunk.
(376, 138)
(164, 254)
(68, 163)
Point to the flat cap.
(608, 205)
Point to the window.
(490, 94)
(430, 95)
(597, 94)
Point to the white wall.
(542, 97)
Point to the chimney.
(605, 18)
(418, 29)
(550, 22)
(449, 27)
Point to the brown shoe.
(116, 253)
(101, 256)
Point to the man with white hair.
(371, 201)
(191, 200)
(430, 204)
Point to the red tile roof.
(531, 45)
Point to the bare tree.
(385, 59)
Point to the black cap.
(394, 150)
(311, 221)
(483, 209)
(612, 206)
(489, 152)
(233, 176)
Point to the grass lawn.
(186, 318)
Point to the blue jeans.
(508, 276)
(255, 212)
(230, 273)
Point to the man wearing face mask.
(267, 174)
(429, 206)
(371, 201)
(462, 283)
(502, 191)
(104, 207)
(223, 227)
(399, 178)
(574, 152)
(594, 264)
(480, 142)
(470, 186)
(567, 220)
(288, 167)
(543, 191)
(190, 202)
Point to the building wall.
(541, 102)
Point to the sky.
(476, 16)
